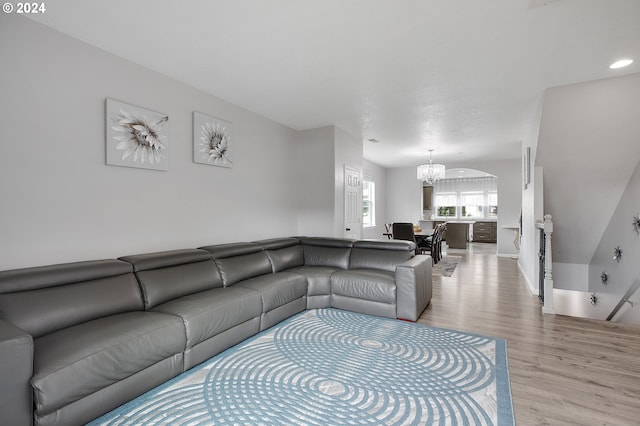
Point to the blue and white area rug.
(333, 367)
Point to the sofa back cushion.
(330, 252)
(45, 299)
(239, 261)
(283, 253)
(382, 255)
(168, 275)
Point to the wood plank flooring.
(563, 370)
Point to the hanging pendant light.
(431, 172)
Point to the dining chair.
(436, 248)
(433, 244)
(404, 231)
(388, 230)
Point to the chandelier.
(430, 172)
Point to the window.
(492, 202)
(471, 204)
(446, 203)
(470, 198)
(368, 202)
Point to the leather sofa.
(79, 339)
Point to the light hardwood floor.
(563, 370)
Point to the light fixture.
(621, 64)
(430, 172)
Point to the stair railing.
(626, 298)
(546, 228)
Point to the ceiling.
(462, 77)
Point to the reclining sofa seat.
(373, 277)
(93, 345)
(247, 266)
(314, 257)
(187, 283)
(384, 278)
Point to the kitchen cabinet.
(427, 196)
(485, 232)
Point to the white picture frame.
(212, 140)
(135, 136)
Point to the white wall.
(532, 212)
(509, 174)
(379, 175)
(570, 276)
(404, 195)
(532, 207)
(348, 152)
(60, 202)
(315, 179)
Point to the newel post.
(548, 308)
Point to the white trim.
(533, 290)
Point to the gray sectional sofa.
(79, 339)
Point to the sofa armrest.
(16, 369)
(413, 287)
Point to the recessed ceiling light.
(621, 64)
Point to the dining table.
(421, 235)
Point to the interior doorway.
(352, 203)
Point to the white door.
(352, 203)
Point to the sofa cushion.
(79, 360)
(318, 279)
(45, 299)
(211, 312)
(365, 284)
(239, 261)
(393, 245)
(385, 255)
(331, 252)
(277, 243)
(54, 275)
(164, 259)
(221, 251)
(283, 253)
(277, 289)
(168, 275)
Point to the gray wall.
(60, 202)
(588, 146)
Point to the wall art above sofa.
(136, 137)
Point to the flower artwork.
(617, 254)
(212, 140)
(604, 278)
(136, 137)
